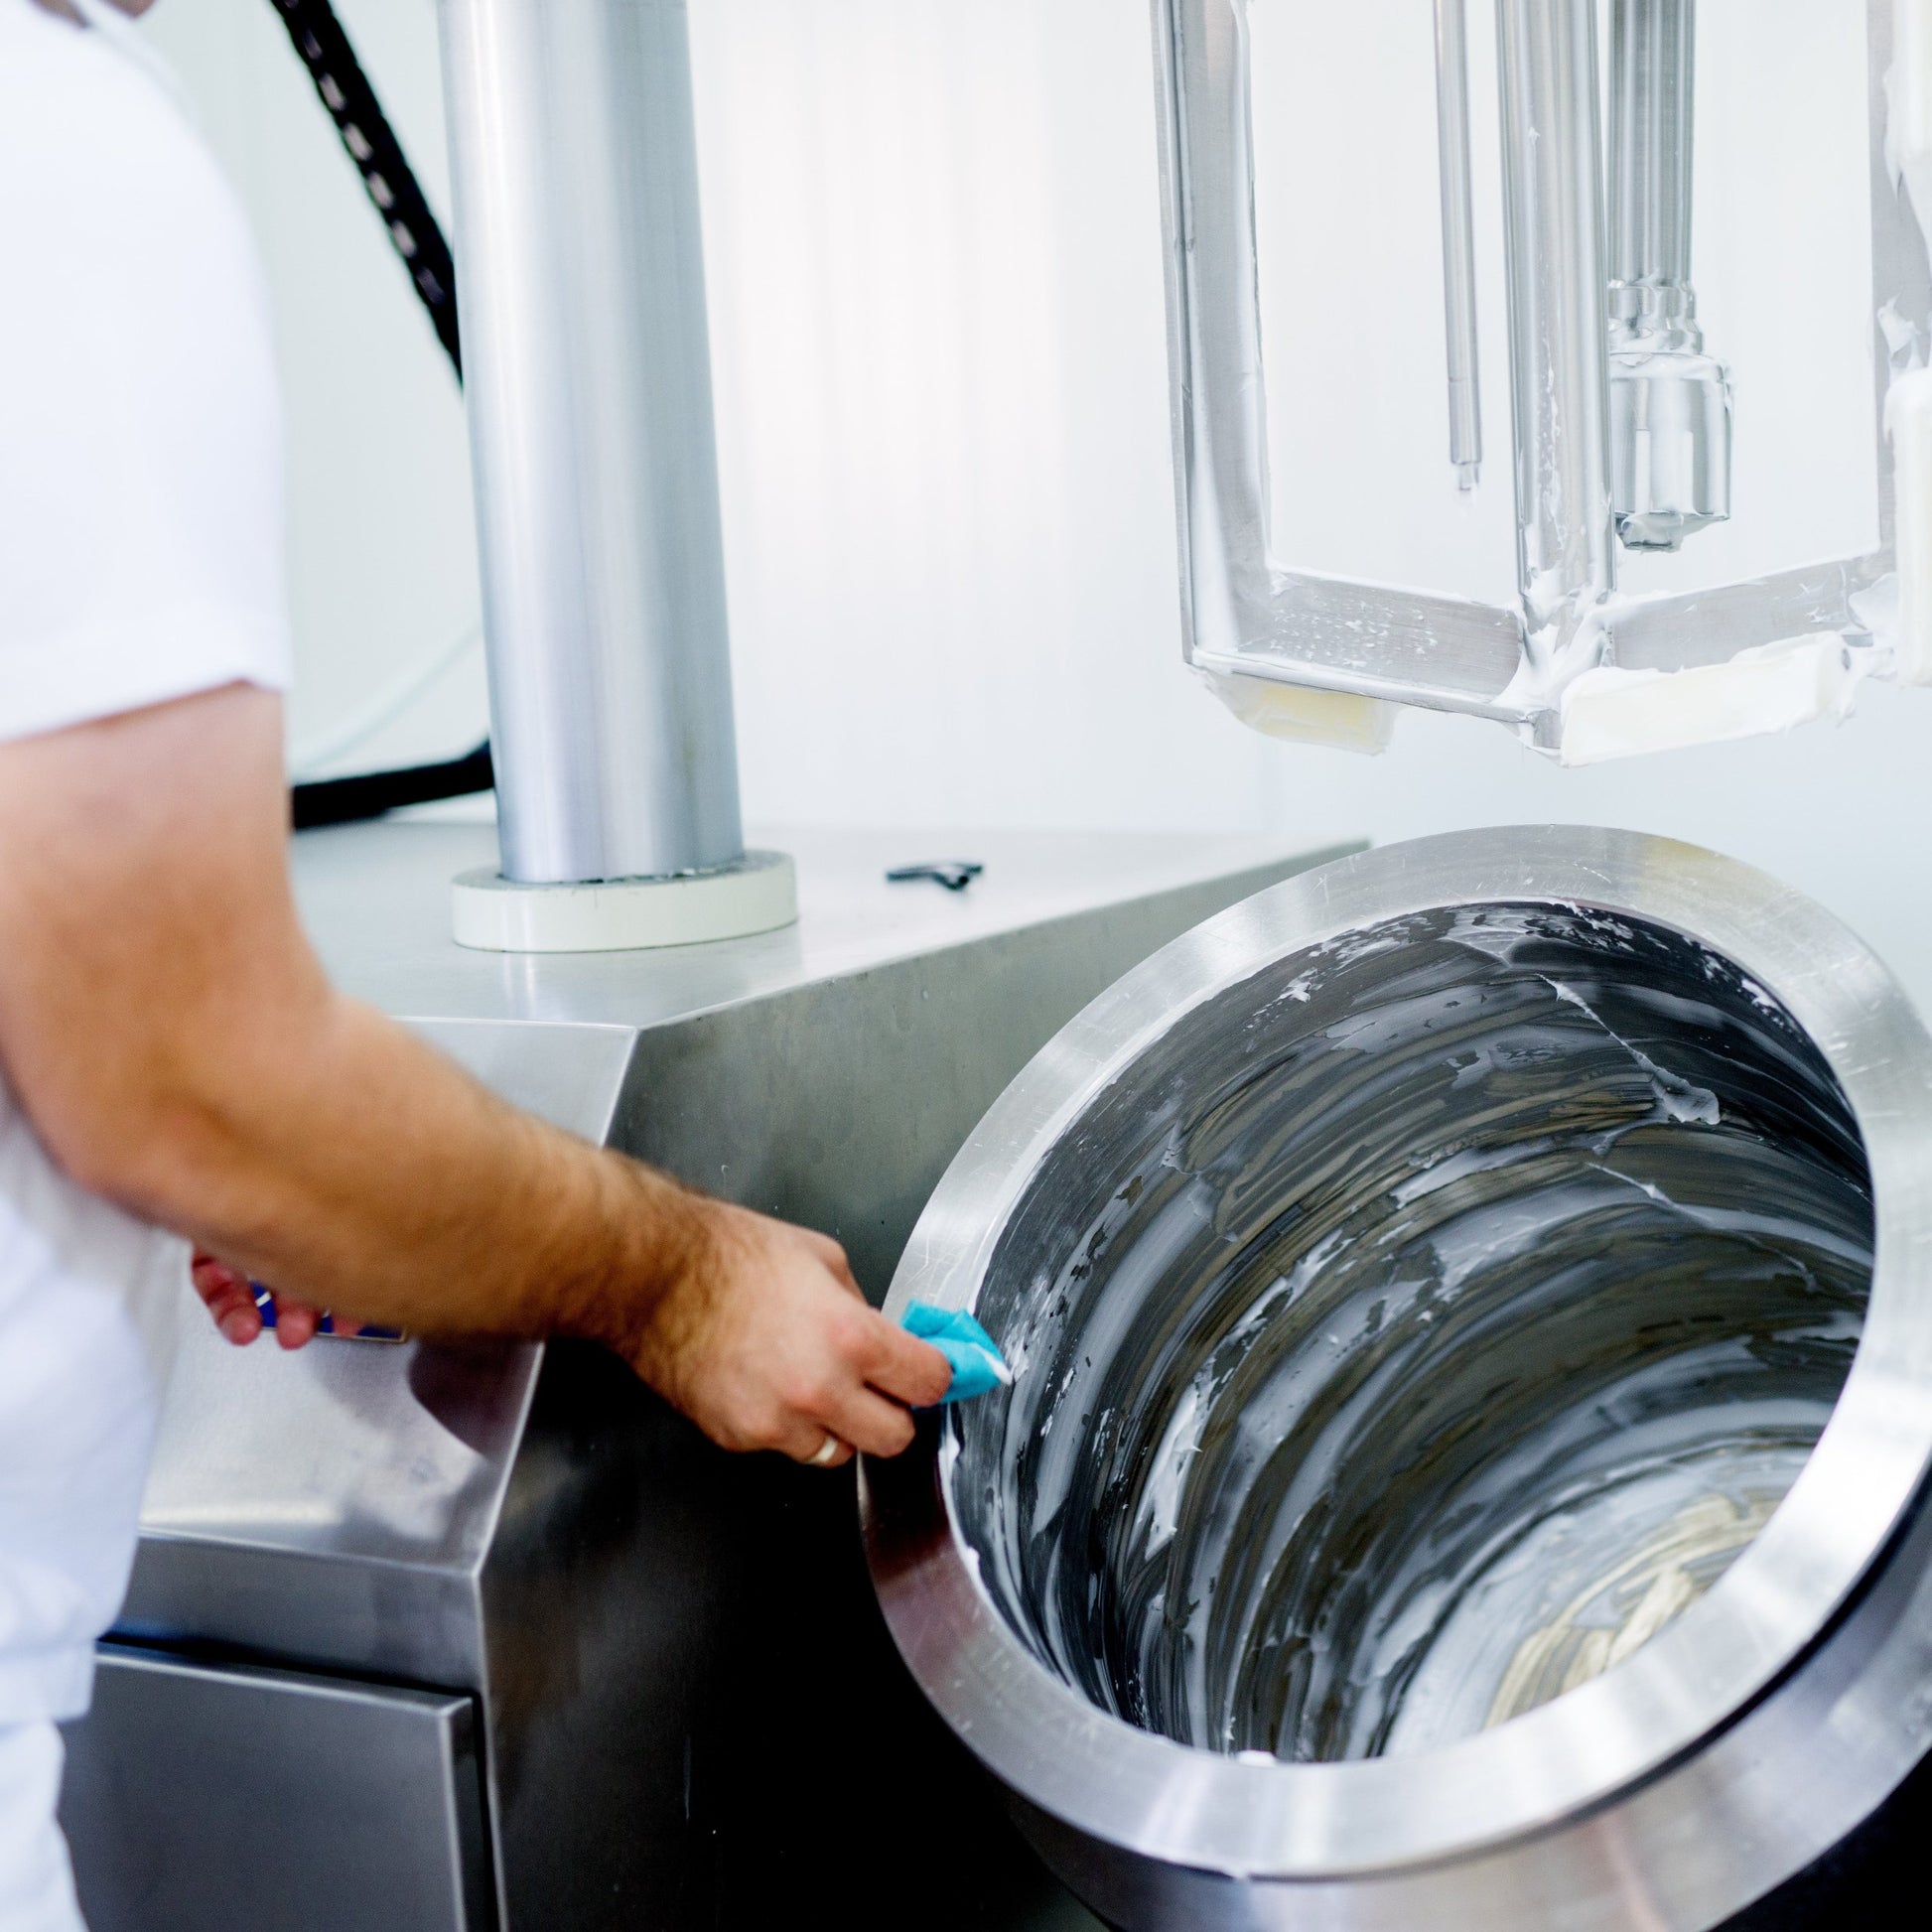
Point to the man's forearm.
(180, 1050)
(354, 1166)
(177, 1048)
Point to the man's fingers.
(228, 1295)
(837, 1404)
(870, 1422)
(232, 1306)
(900, 1365)
(802, 1435)
(781, 1353)
(211, 1275)
(296, 1322)
(827, 1451)
(877, 1376)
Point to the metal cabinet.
(230, 1798)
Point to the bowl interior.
(1413, 1331)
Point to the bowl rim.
(1180, 1805)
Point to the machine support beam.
(580, 269)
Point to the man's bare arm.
(178, 1049)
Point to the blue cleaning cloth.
(977, 1364)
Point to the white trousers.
(36, 1880)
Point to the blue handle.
(265, 1307)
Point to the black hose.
(346, 801)
(417, 239)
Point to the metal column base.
(491, 913)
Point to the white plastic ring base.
(493, 914)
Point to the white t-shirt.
(140, 560)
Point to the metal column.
(581, 273)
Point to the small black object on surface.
(953, 874)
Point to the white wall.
(934, 277)
(381, 547)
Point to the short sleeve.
(141, 493)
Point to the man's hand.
(229, 1296)
(169, 1033)
(765, 1340)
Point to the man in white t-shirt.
(171, 1055)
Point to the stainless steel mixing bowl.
(1473, 1313)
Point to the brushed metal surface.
(374, 901)
(839, 1105)
(336, 1505)
(236, 1799)
(1712, 1764)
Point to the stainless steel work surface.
(376, 901)
(240, 1800)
